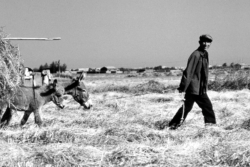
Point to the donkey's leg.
(5, 120)
(3, 108)
(37, 116)
(25, 117)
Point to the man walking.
(194, 83)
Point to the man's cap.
(206, 37)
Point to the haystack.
(11, 67)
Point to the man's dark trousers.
(203, 102)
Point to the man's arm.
(188, 72)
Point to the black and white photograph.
(125, 83)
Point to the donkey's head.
(79, 92)
(53, 92)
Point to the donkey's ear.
(55, 81)
(82, 76)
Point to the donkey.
(76, 89)
(30, 99)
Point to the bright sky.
(127, 33)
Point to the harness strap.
(33, 87)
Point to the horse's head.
(79, 92)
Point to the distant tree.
(121, 69)
(237, 66)
(232, 65)
(40, 69)
(167, 69)
(158, 68)
(58, 66)
(46, 66)
(224, 65)
(63, 67)
(173, 68)
(141, 70)
(53, 67)
(36, 69)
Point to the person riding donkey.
(194, 84)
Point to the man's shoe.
(61, 106)
(211, 126)
(174, 126)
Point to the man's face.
(205, 45)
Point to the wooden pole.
(59, 71)
(40, 39)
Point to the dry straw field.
(125, 128)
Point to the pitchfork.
(183, 108)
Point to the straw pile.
(11, 67)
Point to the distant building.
(83, 69)
(67, 72)
(215, 67)
(108, 69)
(97, 70)
(210, 66)
(244, 66)
(94, 70)
(119, 72)
(160, 68)
(73, 70)
(91, 70)
(180, 68)
(137, 69)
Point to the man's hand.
(179, 90)
(182, 96)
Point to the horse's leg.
(5, 120)
(37, 116)
(25, 117)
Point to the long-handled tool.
(176, 125)
(183, 108)
(25, 38)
